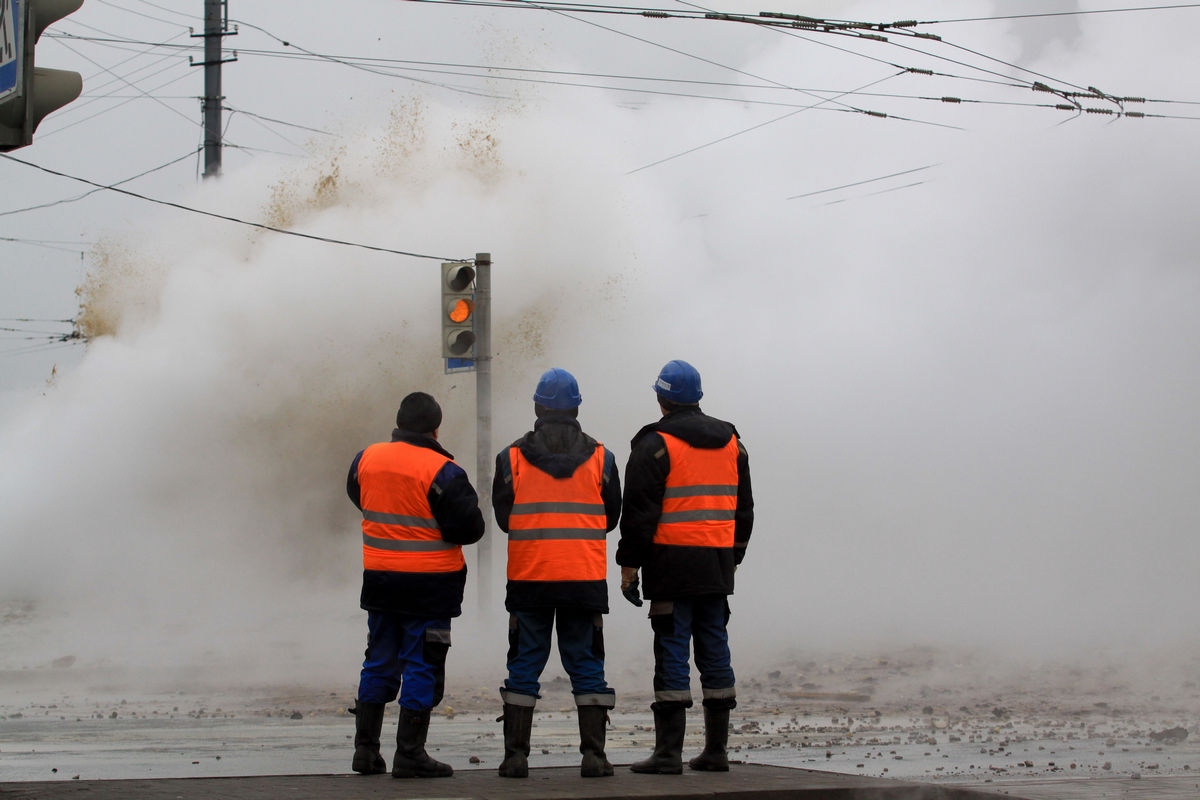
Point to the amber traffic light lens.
(460, 310)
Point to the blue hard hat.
(557, 389)
(679, 382)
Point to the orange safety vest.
(399, 531)
(557, 528)
(700, 499)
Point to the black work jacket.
(672, 571)
(558, 446)
(455, 506)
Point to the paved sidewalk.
(1175, 787)
(745, 782)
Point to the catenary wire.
(408, 65)
(287, 43)
(139, 13)
(131, 85)
(214, 215)
(875, 194)
(35, 243)
(94, 191)
(860, 183)
(1078, 13)
(747, 130)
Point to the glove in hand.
(632, 594)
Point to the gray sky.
(959, 342)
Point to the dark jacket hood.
(557, 445)
(692, 426)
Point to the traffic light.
(28, 93)
(458, 309)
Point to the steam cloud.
(970, 405)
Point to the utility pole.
(466, 314)
(216, 27)
(483, 416)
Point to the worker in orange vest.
(557, 494)
(418, 509)
(688, 512)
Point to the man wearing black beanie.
(419, 509)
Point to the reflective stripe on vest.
(557, 528)
(398, 530)
(700, 499)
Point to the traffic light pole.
(483, 422)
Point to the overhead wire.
(288, 43)
(665, 47)
(119, 80)
(409, 65)
(132, 85)
(1076, 13)
(47, 245)
(745, 130)
(43, 340)
(170, 10)
(235, 110)
(875, 194)
(94, 191)
(214, 215)
(142, 14)
(863, 182)
(53, 344)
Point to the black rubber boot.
(518, 725)
(667, 758)
(411, 760)
(716, 736)
(592, 720)
(368, 722)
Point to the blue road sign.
(11, 40)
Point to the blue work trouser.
(700, 622)
(406, 656)
(580, 646)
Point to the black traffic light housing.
(33, 91)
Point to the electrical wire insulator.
(656, 14)
(1099, 111)
(1132, 99)
(1136, 114)
(879, 114)
(1066, 107)
(951, 99)
(918, 71)
(932, 36)
(794, 17)
(874, 36)
(1038, 86)
(904, 23)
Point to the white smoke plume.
(969, 403)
